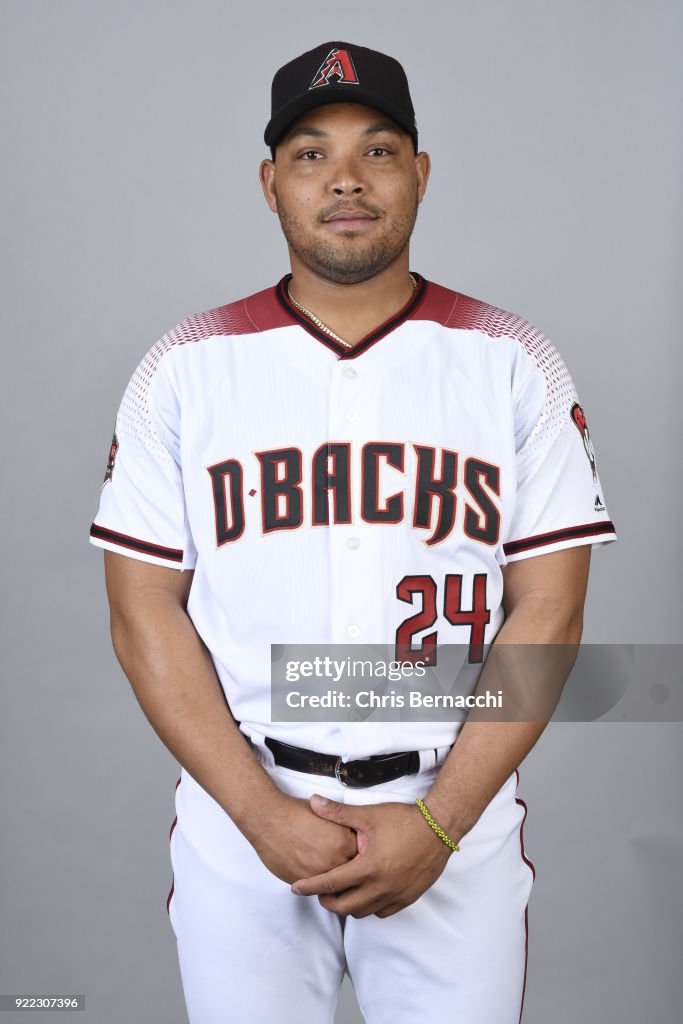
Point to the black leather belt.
(356, 774)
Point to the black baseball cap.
(339, 72)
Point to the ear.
(423, 166)
(267, 179)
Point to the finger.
(357, 903)
(388, 911)
(332, 810)
(334, 881)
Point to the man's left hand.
(399, 857)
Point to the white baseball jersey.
(336, 496)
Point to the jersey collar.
(364, 344)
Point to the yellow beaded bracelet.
(437, 828)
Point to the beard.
(348, 260)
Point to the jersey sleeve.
(142, 511)
(559, 501)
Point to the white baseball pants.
(251, 952)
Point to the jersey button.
(350, 373)
(352, 415)
(353, 630)
(353, 543)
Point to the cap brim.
(332, 94)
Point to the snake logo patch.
(113, 449)
(579, 419)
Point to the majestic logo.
(338, 64)
(112, 458)
(579, 418)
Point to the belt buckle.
(337, 772)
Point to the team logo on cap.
(579, 418)
(338, 64)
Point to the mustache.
(365, 207)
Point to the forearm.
(176, 685)
(486, 752)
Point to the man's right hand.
(174, 679)
(293, 842)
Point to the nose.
(343, 189)
(346, 178)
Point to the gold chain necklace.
(318, 322)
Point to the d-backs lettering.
(441, 477)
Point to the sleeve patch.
(578, 417)
(113, 449)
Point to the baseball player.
(353, 455)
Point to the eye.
(380, 149)
(310, 154)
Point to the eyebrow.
(318, 133)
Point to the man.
(356, 455)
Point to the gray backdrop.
(132, 134)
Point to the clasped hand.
(398, 858)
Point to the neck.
(353, 310)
